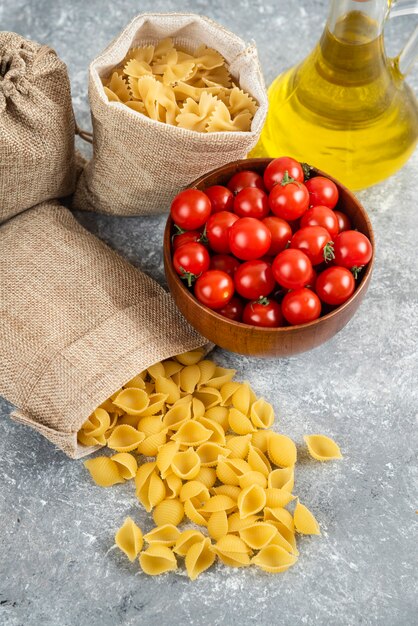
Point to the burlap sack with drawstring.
(76, 322)
(36, 126)
(139, 164)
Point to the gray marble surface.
(57, 565)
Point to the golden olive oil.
(345, 109)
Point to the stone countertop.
(57, 565)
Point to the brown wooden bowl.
(253, 340)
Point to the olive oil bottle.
(346, 108)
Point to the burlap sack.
(36, 126)
(139, 164)
(76, 322)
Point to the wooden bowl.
(252, 340)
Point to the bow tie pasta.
(192, 91)
(211, 459)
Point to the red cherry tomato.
(277, 168)
(224, 263)
(263, 312)
(321, 216)
(335, 285)
(292, 269)
(352, 249)
(254, 279)
(220, 198)
(214, 289)
(343, 221)
(281, 234)
(233, 309)
(301, 306)
(289, 201)
(249, 238)
(190, 209)
(251, 202)
(244, 179)
(191, 260)
(217, 229)
(190, 236)
(315, 242)
(312, 280)
(322, 191)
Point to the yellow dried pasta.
(189, 90)
(215, 462)
(322, 448)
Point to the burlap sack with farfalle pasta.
(139, 164)
(76, 322)
(36, 126)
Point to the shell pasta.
(200, 450)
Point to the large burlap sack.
(36, 126)
(139, 164)
(76, 322)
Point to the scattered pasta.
(211, 460)
(191, 90)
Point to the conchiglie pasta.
(125, 438)
(218, 465)
(218, 525)
(186, 464)
(282, 450)
(274, 559)
(322, 448)
(186, 539)
(132, 400)
(251, 500)
(127, 464)
(157, 559)
(165, 534)
(199, 558)
(258, 535)
(169, 511)
(129, 539)
(104, 471)
(305, 521)
(262, 414)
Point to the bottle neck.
(357, 20)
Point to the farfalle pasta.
(236, 487)
(192, 90)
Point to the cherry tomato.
(251, 202)
(191, 260)
(301, 306)
(224, 263)
(277, 168)
(244, 179)
(312, 280)
(321, 216)
(292, 269)
(335, 285)
(315, 242)
(322, 191)
(343, 221)
(233, 309)
(214, 289)
(217, 229)
(281, 234)
(352, 250)
(254, 279)
(249, 238)
(220, 198)
(289, 201)
(263, 312)
(190, 236)
(190, 209)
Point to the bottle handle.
(405, 59)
